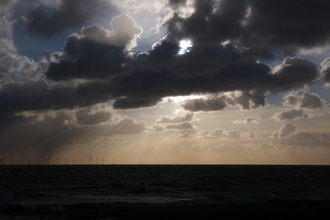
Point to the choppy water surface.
(166, 184)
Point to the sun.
(185, 46)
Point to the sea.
(33, 188)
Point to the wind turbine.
(66, 161)
(11, 161)
(90, 161)
(58, 161)
(74, 161)
(103, 160)
(97, 161)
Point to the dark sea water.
(53, 186)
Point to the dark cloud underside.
(101, 57)
(46, 22)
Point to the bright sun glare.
(185, 46)
(179, 99)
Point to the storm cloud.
(137, 81)
(97, 53)
(46, 21)
(262, 26)
(212, 104)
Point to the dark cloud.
(210, 104)
(285, 131)
(253, 79)
(163, 72)
(6, 5)
(177, 119)
(211, 22)
(210, 66)
(175, 4)
(286, 25)
(312, 101)
(306, 100)
(12, 63)
(124, 33)
(247, 99)
(265, 27)
(325, 71)
(290, 115)
(34, 95)
(135, 103)
(90, 116)
(146, 87)
(180, 126)
(303, 71)
(248, 120)
(304, 139)
(290, 100)
(163, 53)
(98, 53)
(288, 136)
(205, 59)
(126, 126)
(47, 22)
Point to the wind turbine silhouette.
(11, 161)
(103, 160)
(74, 161)
(90, 161)
(58, 161)
(97, 161)
(66, 161)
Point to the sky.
(165, 81)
